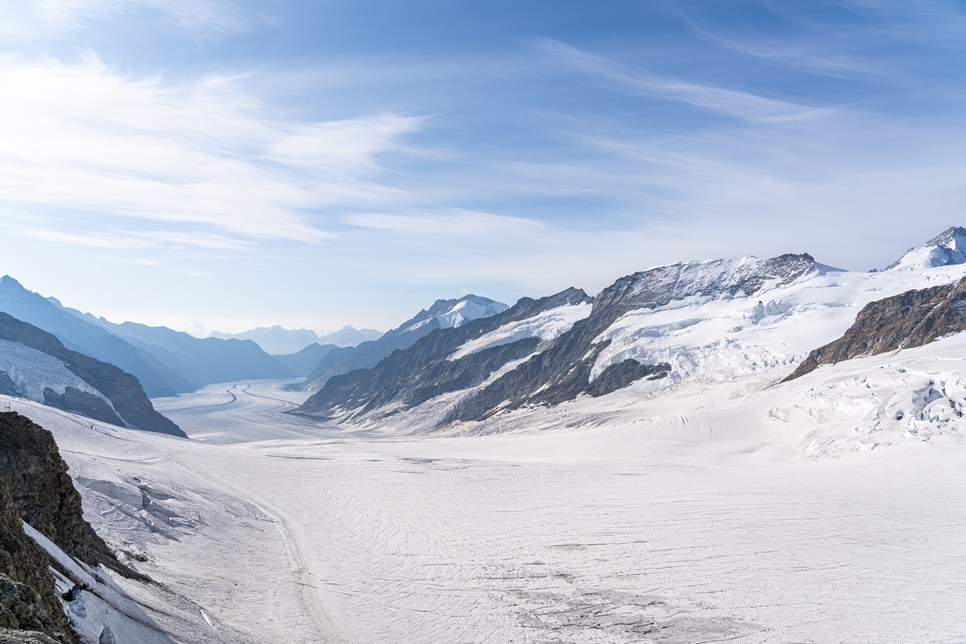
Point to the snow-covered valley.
(802, 512)
(477, 485)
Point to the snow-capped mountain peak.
(945, 249)
(448, 314)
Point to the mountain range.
(166, 362)
(716, 357)
(34, 364)
(695, 322)
(277, 340)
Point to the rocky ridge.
(564, 371)
(561, 369)
(422, 371)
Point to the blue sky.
(218, 165)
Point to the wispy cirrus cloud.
(635, 80)
(454, 222)
(83, 140)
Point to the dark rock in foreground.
(36, 477)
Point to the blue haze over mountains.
(166, 362)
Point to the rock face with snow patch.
(443, 314)
(427, 369)
(124, 401)
(565, 370)
(907, 320)
(35, 489)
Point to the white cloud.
(79, 141)
(450, 223)
(33, 19)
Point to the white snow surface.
(546, 326)
(464, 311)
(807, 511)
(33, 371)
(717, 504)
(715, 339)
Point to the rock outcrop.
(907, 320)
(29, 608)
(36, 477)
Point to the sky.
(221, 165)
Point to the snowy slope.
(714, 339)
(448, 314)
(33, 371)
(700, 515)
(949, 247)
(546, 326)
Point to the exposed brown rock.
(36, 476)
(27, 595)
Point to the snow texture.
(33, 371)
(714, 338)
(546, 326)
(716, 504)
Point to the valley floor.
(280, 530)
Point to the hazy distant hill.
(89, 338)
(278, 340)
(166, 362)
(303, 362)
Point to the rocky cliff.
(36, 489)
(36, 476)
(911, 319)
(29, 608)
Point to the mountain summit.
(443, 314)
(448, 314)
(946, 248)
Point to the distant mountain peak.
(945, 249)
(452, 313)
(948, 238)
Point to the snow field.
(631, 520)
